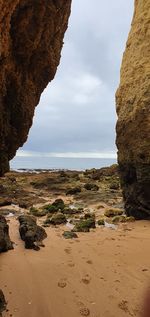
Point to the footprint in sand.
(144, 270)
(84, 311)
(102, 278)
(89, 262)
(123, 306)
(71, 264)
(67, 250)
(62, 284)
(86, 280)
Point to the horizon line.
(104, 155)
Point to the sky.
(76, 115)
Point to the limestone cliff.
(133, 109)
(31, 38)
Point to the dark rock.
(90, 186)
(73, 191)
(37, 212)
(84, 225)
(135, 182)
(5, 242)
(30, 232)
(7, 211)
(56, 219)
(23, 204)
(58, 204)
(72, 211)
(101, 222)
(5, 202)
(89, 215)
(97, 174)
(3, 303)
(50, 209)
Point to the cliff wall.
(31, 39)
(133, 109)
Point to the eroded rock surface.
(133, 109)
(5, 242)
(31, 38)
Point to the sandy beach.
(102, 273)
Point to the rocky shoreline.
(72, 202)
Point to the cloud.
(76, 113)
(105, 155)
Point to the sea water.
(58, 163)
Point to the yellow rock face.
(133, 109)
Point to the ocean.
(20, 162)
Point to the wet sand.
(103, 273)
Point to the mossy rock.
(59, 204)
(113, 212)
(118, 219)
(69, 235)
(71, 211)
(89, 215)
(56, 219)
(90, 186)
(130, 219)
(84, 225)
(37, 212)
(50, 208)
(73, 191)
(101, 222)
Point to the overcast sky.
(76, 113)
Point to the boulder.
(5, 242)
(84, 225)
(30, 232)
(56, 219)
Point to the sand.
(103, 273)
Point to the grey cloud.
(77, 110)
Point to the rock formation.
(32, 234)
(31, 38)
(133, 109)
(3, 303)
(5, 243)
